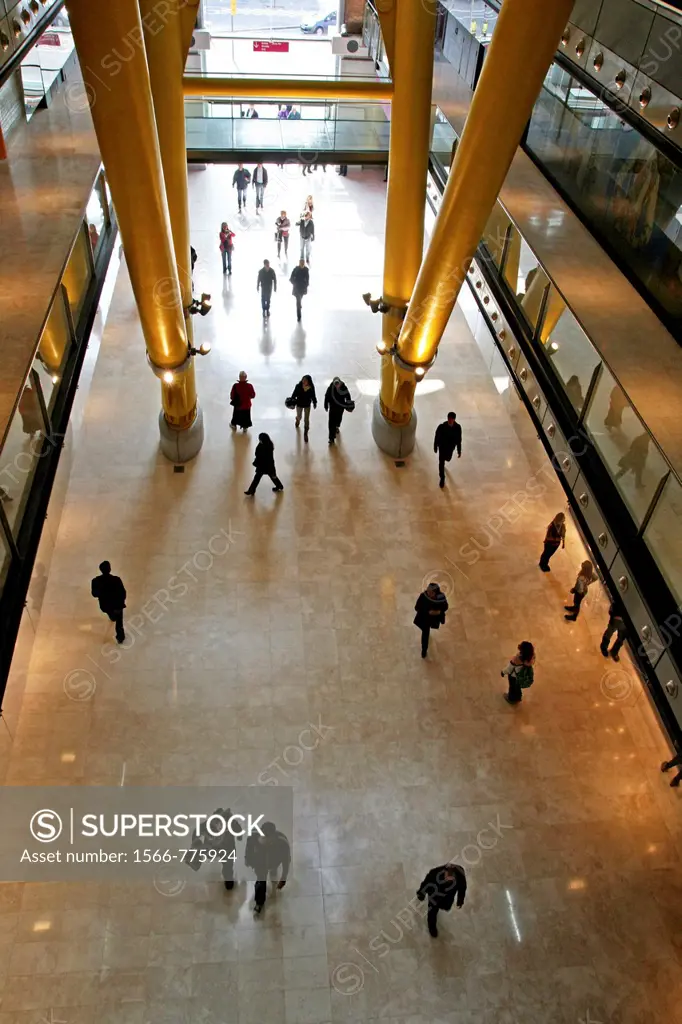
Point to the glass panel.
(53, 349)
(5, 556)
(569, 349)
(531, 285)
(663, 535)
(444, 140)
(495, 233)
(630, 193)
(618, 434)
(20, 455)
(96, 216)
(512, 261)
(78, 274)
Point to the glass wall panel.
(97, 215)
(78, 273)
(663, 535)
(495, 233)
(20, 454)
(571, 354)
(54, 347)
(626, 189)
(531, 285)
(626, 449)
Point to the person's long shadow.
(298, 343)
(266, 345)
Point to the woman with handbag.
(520, 673)
(241, 397)
(586, 577)
(265, 465)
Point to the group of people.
(337, 401)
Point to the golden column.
(412, 72)
(109, 41)
(524, 41)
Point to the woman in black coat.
(431, 607)
(265, 465)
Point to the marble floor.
(569, 834)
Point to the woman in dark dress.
(241, 397)
(265, 465)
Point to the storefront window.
(630, 192)
(663, 535)
(626, 448)
(569, 350)
(21, 452)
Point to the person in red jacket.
(241, 397)
(226, 247)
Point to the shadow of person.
(266, 345)
(298, 343)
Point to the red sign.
(50, 39)
(269, 46)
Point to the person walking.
(441, 887)
(519, 672)
(306, 227)
(431, 607)
(32, 421)
(308, 206)
(337, 400)
(555, 536)
(260, 183)
(241, 179)
(634, 460)
(674, 763)
(267, 280)
(241, 397)
(618, 403)
(111, 594)
(586, 577)
(302, 398)
(300, 279)
(226, 247)
(266, 855)
(264, 462)
(616, 624)
(282, 226)
(448, 438)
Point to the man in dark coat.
(615, 625)
(431, 607)
(441, 886)
(448, 438)
(264, 462)
(266, 854)
(267, 280)
(300, 279)
(241, 179)
(337, 400)
(111, 594)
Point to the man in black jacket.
(267, 280)
(441, 886)
(615, 625)
(111, 594)
(260, 183)
(241, 179)
(448, 437)
(300, 279)
(337, 400)
(265, 855)
(307, 229)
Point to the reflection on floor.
(557, 809)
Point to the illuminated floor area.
(569, 834)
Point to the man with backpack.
(520, 673)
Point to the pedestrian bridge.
(353, 129)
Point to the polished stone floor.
(569, 834)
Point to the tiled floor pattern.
(570, 835)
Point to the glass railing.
(320, 128)
(628, 451)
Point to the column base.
(398, 442)
(181, 445)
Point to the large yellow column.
(412, 70)
(164, 46)
(109, 41)
(524, 41)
